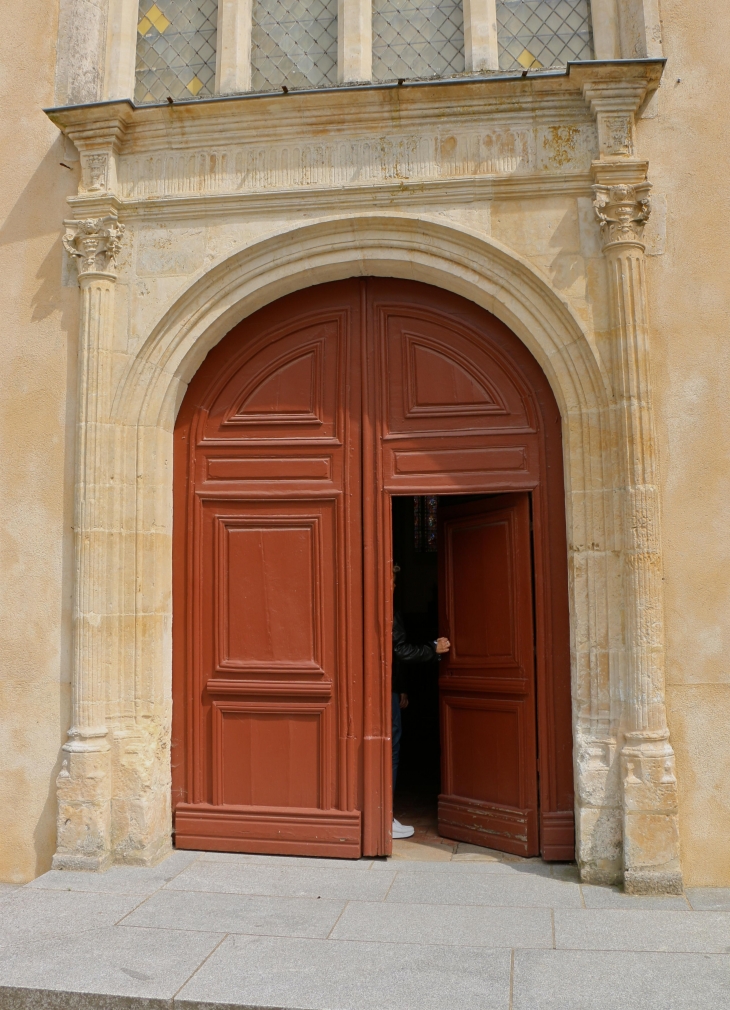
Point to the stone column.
(651, 835)
(84, 783)
(354, 41)
(480, 35)
(233, 54)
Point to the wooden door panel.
(289, 384)
(268, 754)
(442, 376)
(270, 607)
(269, 469)
(490, 550)
(272, 653)
(486, 683)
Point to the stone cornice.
(345, 109)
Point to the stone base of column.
(84, 807)
(598, 848)
(141, 806)
(599, 810)
(651, 828)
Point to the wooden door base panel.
(557, 834)
(494, 827)
(274, 830)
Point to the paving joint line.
(334, 924)
(196, 970)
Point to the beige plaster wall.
(38, 326)
(688, 147)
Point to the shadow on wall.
(43, 354)
(39, 211)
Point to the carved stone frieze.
(94, 243)
(622, 212)
(329, 162)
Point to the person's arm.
(406, 652)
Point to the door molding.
(129, 583)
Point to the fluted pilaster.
(651, 836)
(84, 784)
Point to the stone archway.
(114, 787)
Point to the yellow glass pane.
(528, 61)
(144, 26)
(158, 19)
(194, 86)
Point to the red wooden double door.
(292, 437)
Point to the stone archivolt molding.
(114, 791)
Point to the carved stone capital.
(622, 212)
(94, 243)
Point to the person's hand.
(403, 701)
(442, 645)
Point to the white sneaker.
(402, 830)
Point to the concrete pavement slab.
(469, 866)
(254, 859)
(31, 916)
(289, 881)
(146, 964)
(341, 975)
(705, 899)
(640, 929)
(237, 913)
(471, 925)
(117, 879)
(470, 888)
(614, 897)
(613, 980)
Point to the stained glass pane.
(176, 42)
(430, 523)
(417, 523)
(293, 43)
(417, 39)
(425, 523)
(543, 33)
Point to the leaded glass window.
(543, 33)
(417, 39)
(176, 42)
(293, 44)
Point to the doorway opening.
(415, 551)
(468, 742)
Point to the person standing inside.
(403, 653)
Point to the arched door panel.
(458, 405)
(268, 539)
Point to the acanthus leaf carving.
(94, 243)
(622, 212)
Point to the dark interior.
(416, 597)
